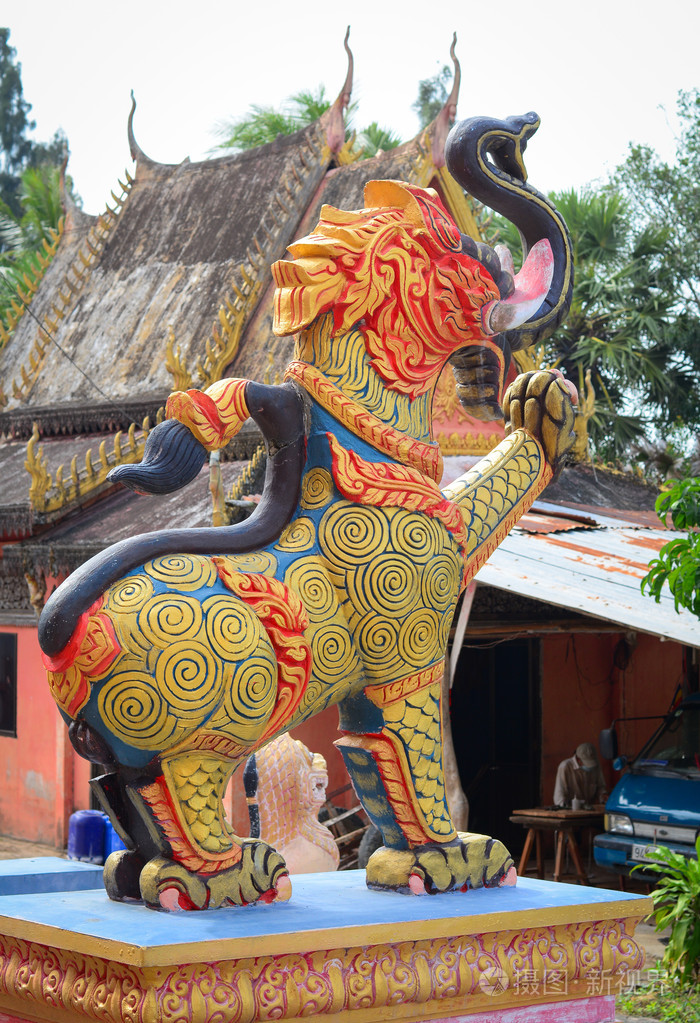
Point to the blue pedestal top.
(47, 874)
(326, 911)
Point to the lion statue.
(173, 656)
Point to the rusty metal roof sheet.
(593, 570)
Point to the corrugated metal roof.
(596, 571)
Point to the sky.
(601, 75)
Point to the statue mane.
(396, 269)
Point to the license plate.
(641, 853)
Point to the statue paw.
(121, 875)
(542, 403)
(469, 861)
(259, 876)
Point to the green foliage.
(374, 139)
(264, 124)
(15, 148)
(677, 905)
(662, 1001)
(432, 95)
(620, 323)
(30, 203)
(21, 236)
(666, 196)
(678, 563)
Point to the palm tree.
(21, 236)
(373, 140)
(264, 124)
(621, 321)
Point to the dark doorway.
(496, 715)
(8, 683)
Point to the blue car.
(657, 801)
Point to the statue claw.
(469, 861)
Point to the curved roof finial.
(445, 119)
(137, 153)
(335, 131)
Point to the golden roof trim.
(268, 244)
(48, 495)
(74, 281)
(17, 309)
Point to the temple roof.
(188, 241)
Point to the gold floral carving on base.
(367, 983)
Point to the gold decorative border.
(360, 983)
(48, 495)
(424, 457)
(321, 939)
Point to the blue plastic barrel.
(86, 836)
(113, 842)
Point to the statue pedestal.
(335, 950)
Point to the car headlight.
(618, 822)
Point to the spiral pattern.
(377, 638)
(352, 534)
(188, 679)
(316, 488)
(418, 536)
(439, 582)
(249, 697)
(133, 708)
(298, 536)
(261, 562)
(232, 629)
(309, 579)
(332, 652)
(418, 638)
(129, 594)
(169, 617)
(186, 571)
(388, 585)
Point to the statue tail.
(172, 458)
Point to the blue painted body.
(654, 795)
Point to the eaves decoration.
(49, 495)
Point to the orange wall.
(43, 778)
(583, 690)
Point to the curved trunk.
(485, 156)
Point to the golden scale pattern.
(416, 722)
(197, 783)
(500, 482)
(403, 978)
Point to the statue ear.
(393, 194)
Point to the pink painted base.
(599, 1009)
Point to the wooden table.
(563, 823)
